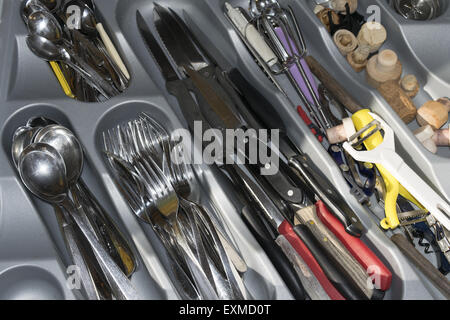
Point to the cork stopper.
(339, 6)
(386, 60)
(358, 58)
(318, 8)
(384, 67)
(446, 102)
(410, 85)
(341, 133)
(345, 41)
(372, 34)
(323, 17)
(433, 113)
(361, 54)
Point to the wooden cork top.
(433, 113)
(409, 82)
(339, 5)
(410, 85)
(384, 67)
(345, 41)
(372, 34)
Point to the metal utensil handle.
(77, 255)
(425, 266)
(112, 50)
(91, 75)
(120, 284)
(309, 281)
(113, 233)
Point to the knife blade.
(214, 96)
(311, 182)
(213, 87)
(155, 50)
(176, 40)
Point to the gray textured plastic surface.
(32, 259)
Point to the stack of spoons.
(49, 159)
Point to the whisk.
(285, 38)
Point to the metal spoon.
(44, 24)
(51, 5)
(22, 138)
(28, 7)
(90, 25)
(89, 28)
(48, 50)
(69, 147)
(43, 172)
(40, 122)
(95, 47)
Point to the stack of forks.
(206, 264)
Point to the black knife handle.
(279, 260)
(191, 111)
(315, 183)
(284, 186)
(330, 267)
(326, 192)
(266, 235)
(256, 101)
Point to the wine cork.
(341, 133)
(433, 113)
(358, 58)
(446, 102)
(426, 136)
(340, 6)
(318, 8)
(384, 67)
(372, 34)
(323, 17)
(442, 138)
(398, 100)
(345, 41)
(410, 85)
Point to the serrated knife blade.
(176, 39)
(156, 50)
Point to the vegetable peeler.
(389, 162)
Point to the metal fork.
(182, 177)
(156, 203)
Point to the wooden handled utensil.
(332, 85)
(425, 266)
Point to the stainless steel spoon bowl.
(67, 145)
(44, 24)
(28, 7)
(43, 172)
(40, 122)
(51, 51)
(22, 138)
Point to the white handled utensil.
(112, 51)
(386, 155)
(251, 34)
